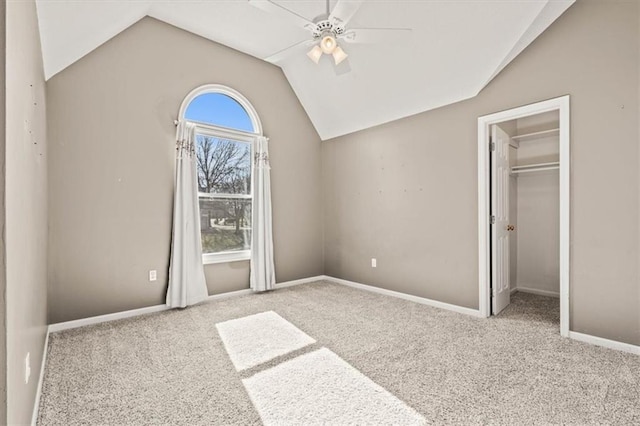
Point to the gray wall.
(3, 265)
(26, 208)
(406, 192)
(111, 168)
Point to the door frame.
(560, 104)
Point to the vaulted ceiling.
(455, 47)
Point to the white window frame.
(233, 135)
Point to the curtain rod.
(232, 132)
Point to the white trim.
(225, 257)
(67, 325)
(223, 132)
(561, 105)
(228, 295)
(539, 292)
(605, 343)
(410, 297)
(36, 406)
(586, 338)
(225, 90)
(565, 212)
(214, 195)
(302, 281)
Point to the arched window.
(226, 128)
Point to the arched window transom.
(218, 109)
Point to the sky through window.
(220, 110)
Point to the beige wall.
(26, 208)
(406, 192)
(111, 168)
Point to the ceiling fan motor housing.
(326, 27)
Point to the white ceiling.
(455, 49)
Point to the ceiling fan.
(328, 29)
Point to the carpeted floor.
(172, 367)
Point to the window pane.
(224, 166)
(219, 110)
(225, 225)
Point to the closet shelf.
(535, 167)
(529, 136)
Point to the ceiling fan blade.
(284, 53)
(343, 67)
(376, 35)
(344, 10)
(284, 13)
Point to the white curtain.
(187, 285)
(263, 276)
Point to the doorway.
(498, 136)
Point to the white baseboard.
(227, 295)
(586, 338)
(536, 291)
(412, 298)
(599, 341)
(36, 405)
(67, 325)
(301, 281)
(247, 291)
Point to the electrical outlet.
(153, 275)
(374, 262)
(27, 368)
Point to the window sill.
(232, 256)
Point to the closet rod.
(536, 169)
(533, 166)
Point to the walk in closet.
(525, 205)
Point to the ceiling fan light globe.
(328, 44)
(339, 55)
(315, 53)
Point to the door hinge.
(492, 220)
(492, 146)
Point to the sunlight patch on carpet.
(321, 388)
(256, 339)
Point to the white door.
(500, 285)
